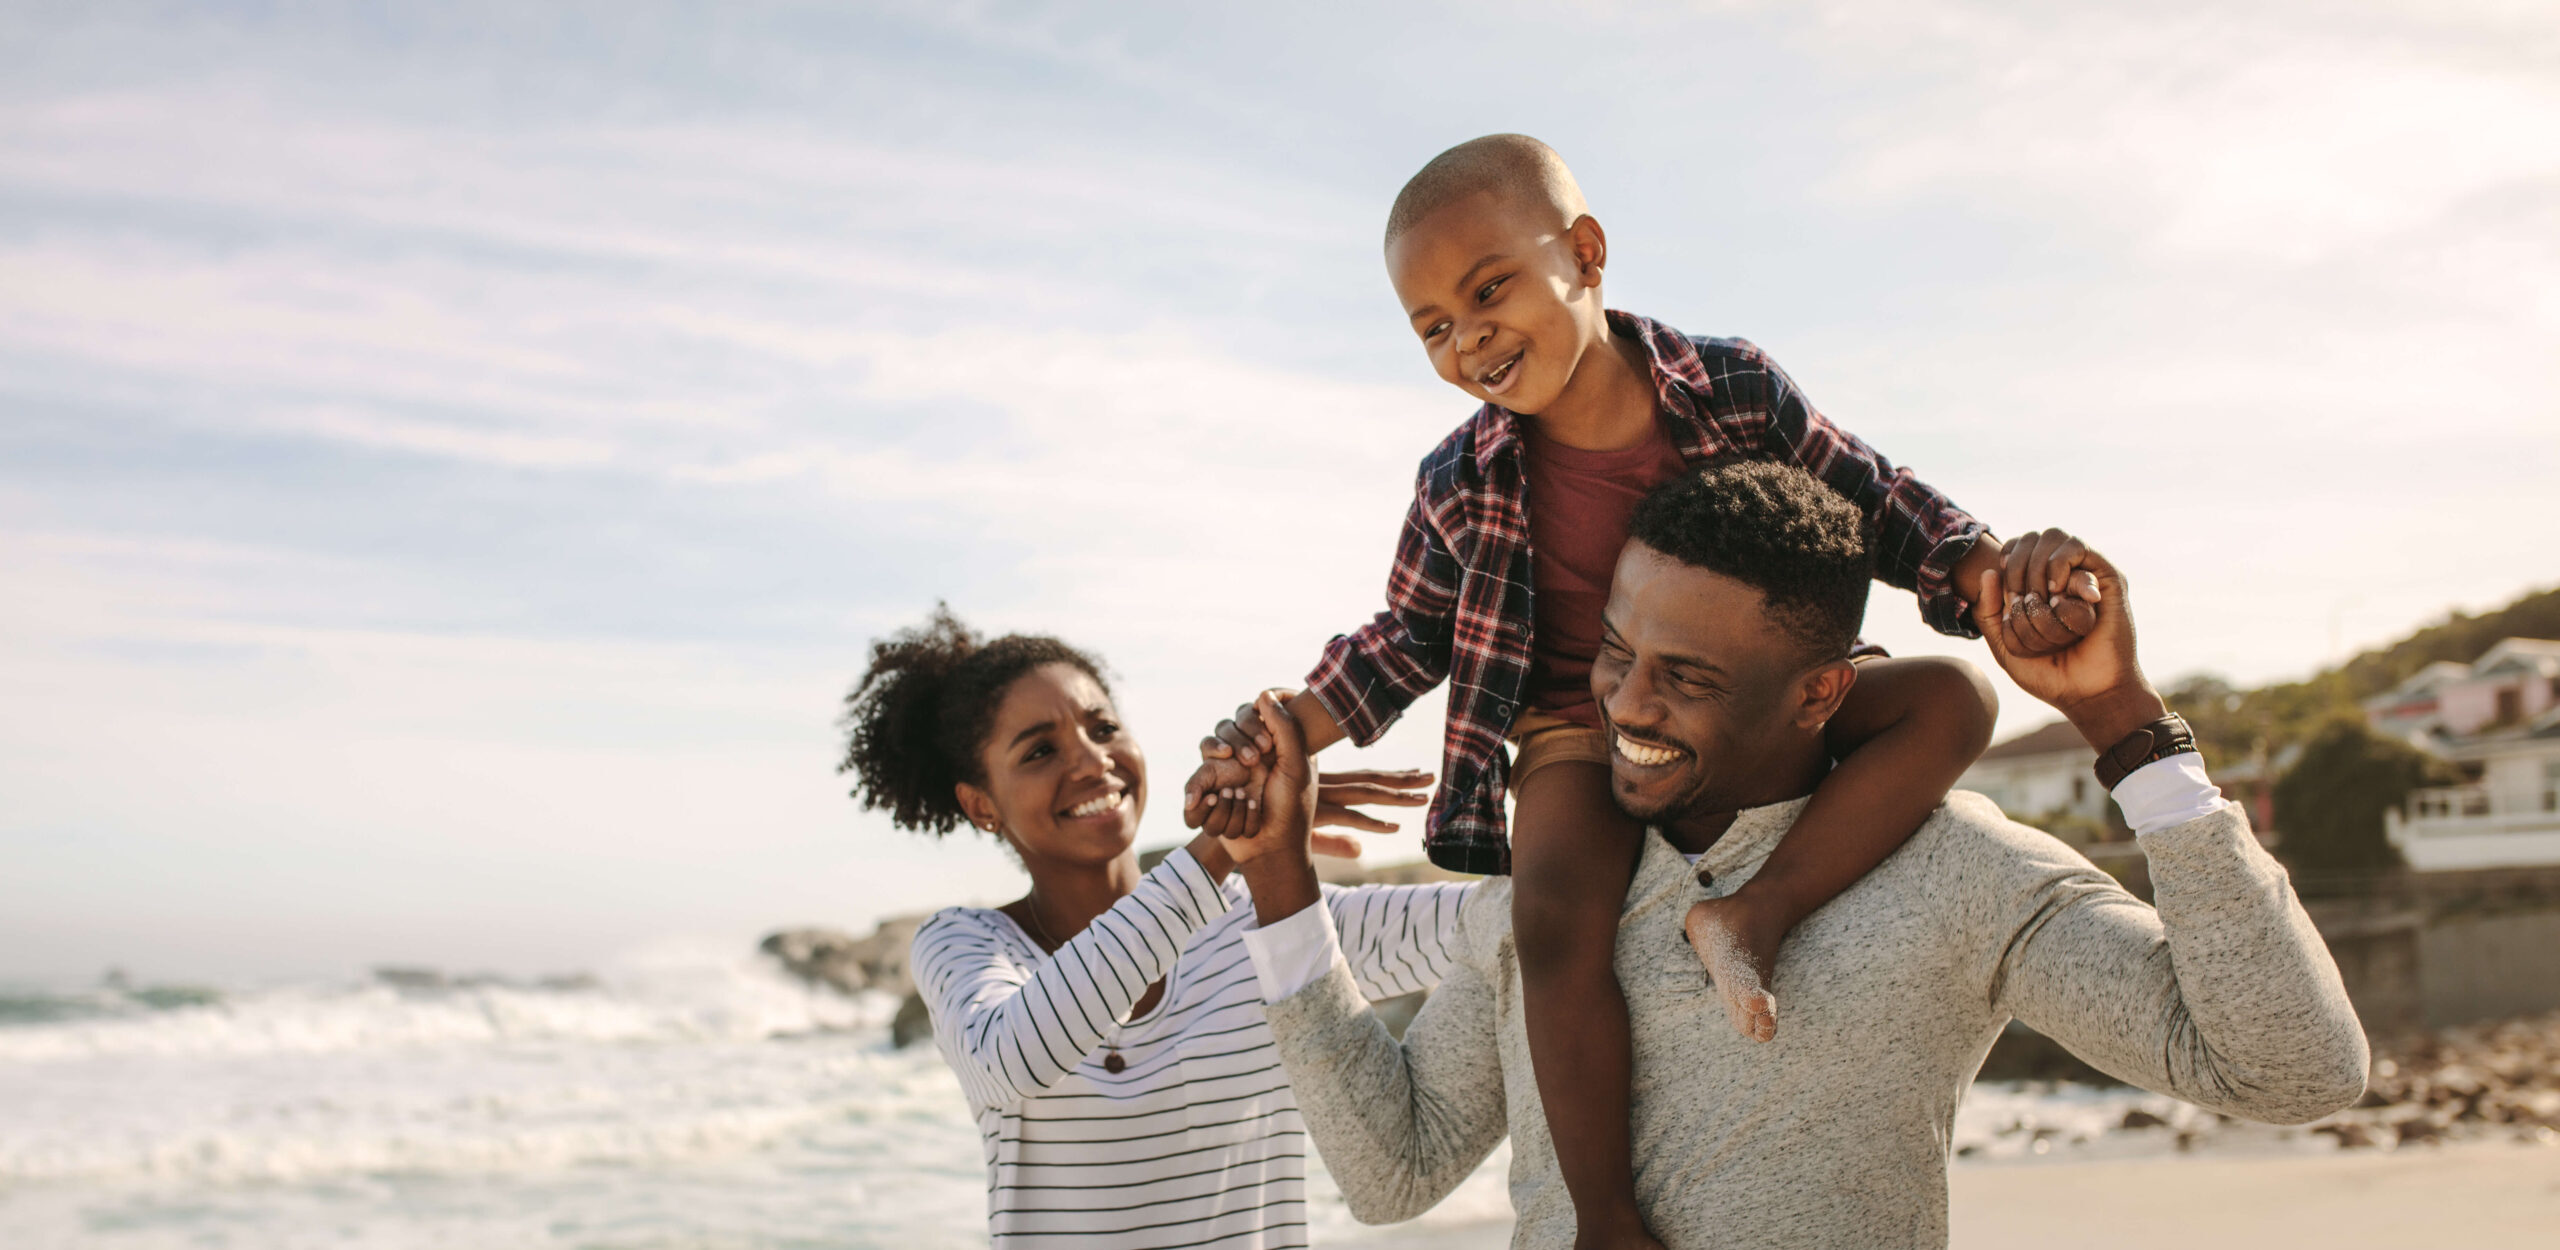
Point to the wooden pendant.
(1113, 1063)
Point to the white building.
(2500, 720)
(2043, 778)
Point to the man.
(1725, 650)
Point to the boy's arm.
(1907, 730)
(1367, 677)
(1923, 542)
(1919, 535)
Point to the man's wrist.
(1282, 885)
(2104, 719)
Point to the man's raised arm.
(2223, 996)
(1399, 1125)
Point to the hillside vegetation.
(2231, 722)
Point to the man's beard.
(1668, 809)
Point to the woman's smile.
(1099, 805)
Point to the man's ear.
(979, 806)
(1821, 691)
(1590, 248)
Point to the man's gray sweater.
(1836, 1133)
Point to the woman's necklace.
(1111, 1060)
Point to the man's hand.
(1240, 741)
(1275, 857)
(2097, 682)
(1227, 758)
(2051, 593)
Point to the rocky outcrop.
(2465, 1082)
(837, 960)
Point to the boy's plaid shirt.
(1458, 600)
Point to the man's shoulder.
(1970, 835)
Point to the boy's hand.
(1250, 831)
(2053, 595)
(1227, 757)
(2046, 595)
(1242, 737)
(2097, 682)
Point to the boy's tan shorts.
(1542, 738)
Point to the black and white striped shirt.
(1196, 1141)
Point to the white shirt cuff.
(2167, 793)
(1294, 953)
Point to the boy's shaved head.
(1515, 167)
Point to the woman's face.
(1064, 781)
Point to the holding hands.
(2096, 681)
(1252, 769)
(2045, 591)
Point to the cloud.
(458, 472)
(2265, 132)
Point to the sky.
(454, 458)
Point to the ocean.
(682, 1100)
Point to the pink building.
(2499, 719)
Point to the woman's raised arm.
(1011, 1032)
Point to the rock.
(914, 1024)
(819, 957)
(2139, 1118)
(837, 960)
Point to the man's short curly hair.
(914, 722)
(1778, 529)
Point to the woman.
(1106, 1026)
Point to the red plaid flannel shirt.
(1458, 599)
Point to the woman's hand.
(1278, 818)
(1339, 795)
(1275, 857)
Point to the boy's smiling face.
(1505, 298)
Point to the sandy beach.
(2476, 1196)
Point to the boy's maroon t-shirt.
(1579, 505)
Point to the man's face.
(1504, 299)
(1708, 702)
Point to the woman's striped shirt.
(1196, 1141)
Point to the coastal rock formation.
(2493, 1079)
(837, 960)
(819, 957)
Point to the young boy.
(1500, 576)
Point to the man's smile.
(1646, 755)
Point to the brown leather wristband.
(2158, 740)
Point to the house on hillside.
(2500, 723)
(2042, 778)
(2408, 711)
